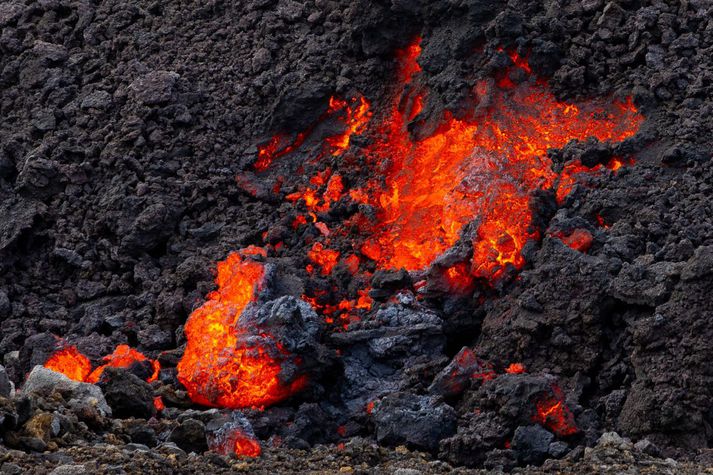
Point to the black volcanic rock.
(531, 444)
(418, 421)
(126, 394)
(190, 435)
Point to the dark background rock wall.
(123, 125)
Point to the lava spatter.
(217, 369)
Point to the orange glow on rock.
(579, 239)
(459, 278)
(123, 357)
(216, 368)
(357, 117)
(236, 442)
(325, 258)
(485, 167)
(515, 368)
(158, 403)
(552, 413)
(70, 362)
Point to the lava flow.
(73, 364)
(70, 362)
(217, 367)
(482, 168)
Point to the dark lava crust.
(124, 124)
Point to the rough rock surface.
(123, 126)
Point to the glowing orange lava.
(123, 357)
(579, 239)
(553, 413)
(217, 367)
(485, 167)
(158, 403)
(515, 368)
(325, 258)
(70, 362)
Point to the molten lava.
(579, 239)
(123, 357)
(235, 441)
(485, 167)
(515, 368)
(482, 169)
(553, 413)
(217, 367)
(70, 362)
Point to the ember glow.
(73, 364)
(553, 413)
(481, 168)
(235, 441)
(123, 357)
(218, 368)
(579, 239)
(70, 362)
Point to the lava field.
(362, 237)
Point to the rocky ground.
(611, 455)
(124, 124)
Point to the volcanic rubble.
(319, 236)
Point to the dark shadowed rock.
(532, 444)
(5, 384)
(190, 436)
(155, 87)
(418, 421)
(127, 395)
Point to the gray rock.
(5, 383)
(69, 470)
(701, 264)
(558, 449)
(171, 448)
(154, 88)
(612, 439)
(10, 11)
(190, 436)
(532, 444)
(5, 306)
(647, 447)
(127, 394)
(43, 381)
(8, 468)
(419, 421)
(644, 282)
(96, 100)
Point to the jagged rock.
(419, 421)
(155, 87)
(43, 381)
(464, 369)
(127, 394)
(700, 265)
(6, 386)
(190, 436)
(532, 444)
